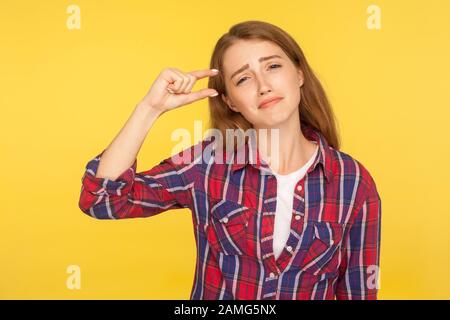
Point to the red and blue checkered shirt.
(333, 248)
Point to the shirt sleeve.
(359, 270)
(133, 195)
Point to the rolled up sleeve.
(133, 195)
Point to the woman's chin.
(273, 122)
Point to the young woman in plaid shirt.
(303, 226)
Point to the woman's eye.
(275, 65)
(240, 80)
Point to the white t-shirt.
(285, 198)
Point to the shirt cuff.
(104, 186)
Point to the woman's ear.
(229, 104)
(301, 77)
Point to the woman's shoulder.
(350, 167)
(193, 156)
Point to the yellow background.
(65, 94)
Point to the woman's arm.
(171, 89)
(111, 188)
(123, 150)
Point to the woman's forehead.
(243, 51)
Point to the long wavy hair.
(314, 108)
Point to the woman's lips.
(269, 104)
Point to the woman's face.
(255, 70)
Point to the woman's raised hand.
(172, 89)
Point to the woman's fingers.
(179, 78)
(186, 83)
(183, 82)
(191, 83)
(172, 88)
(199, 74)
(198, 95)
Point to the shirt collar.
(324, 154)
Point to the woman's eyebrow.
(246, 65)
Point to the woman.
(305, 226)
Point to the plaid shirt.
(333, 247)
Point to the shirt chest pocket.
(227, 229)
(322, 254)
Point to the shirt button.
(225, 220)
(297, 217)
(272, 275)
(289, 248)
(299, 187)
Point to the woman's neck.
(285, 149)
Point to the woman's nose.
(262, 92)
(263, 86)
